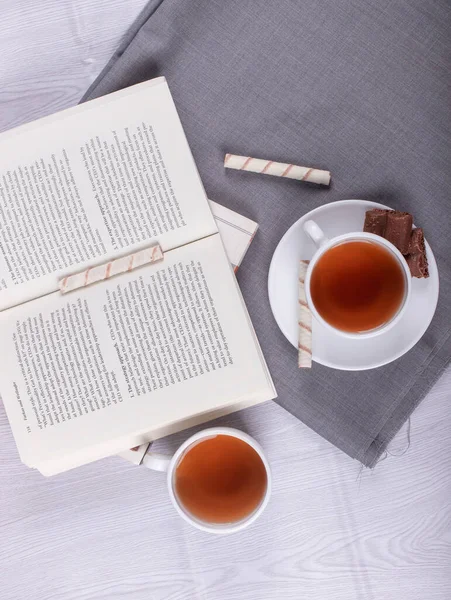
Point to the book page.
(81, 372)
(94, 182)
(237, 232)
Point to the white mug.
(169, 464)
(324, 244)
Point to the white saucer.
(329, 348)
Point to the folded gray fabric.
(360, 89)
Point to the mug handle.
(156, 462)
(315, 233)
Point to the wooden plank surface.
(107, 531)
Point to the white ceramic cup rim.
(358, 235)
(170, 464)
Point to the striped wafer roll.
(304, 322)
(269, 167)
(114, 267)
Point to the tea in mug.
(357, 286)
(220, 479)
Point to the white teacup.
(169, 465)
(324, 244)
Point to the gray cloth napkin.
(362, 89)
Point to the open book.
(109, 366)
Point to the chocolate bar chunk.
(418, 265)
(398, 229)
(375, 221)
(417, 259)
(416, 242)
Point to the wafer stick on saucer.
(304, 321)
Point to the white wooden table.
(107, 530)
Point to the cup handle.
(156, 462)
(315, 233)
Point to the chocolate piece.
(375, 221)
(416, 242)
(398, 229)
(418, 265)
(417, 259)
